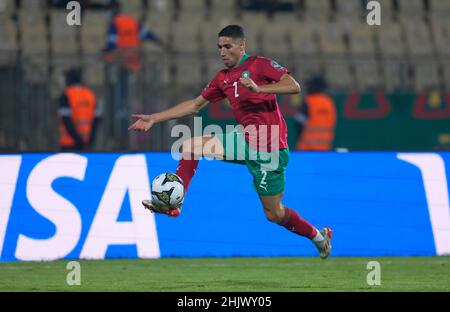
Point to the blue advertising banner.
(70, 206)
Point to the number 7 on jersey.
(235, 85)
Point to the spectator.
(316, 118)
(123, 48)
(125, 33)
(78, 114)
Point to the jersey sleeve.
(271, 69)
(212, 91)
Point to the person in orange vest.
(316, 118)
(78, 114)
(125, 34)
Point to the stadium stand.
(303, 39)
(34, 44)
(93, 37)
(158, 22)
(362, 39)
(439, 8)
(350, 9)
(388, 10)
(8, 35)
(410, 51)
(318, 9)
(338, 72)
(441, 36)
(163, 7)
(224, 6)
(418, 37)
(392, 49)
(208, 38)
(440, 29)
(426, 75)
(305, 46)
(185, 34)
(275, 41)
(327, 32)
(331, 37)
(33, 5)
(253, 24)
(413, 8)
(64, 38)
(93, 72)
(133, 8)
(362, 51)
(33, 33)
(193, 7)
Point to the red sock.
(185, 170)
(293, 222)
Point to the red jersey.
(249, 108)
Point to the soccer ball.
(167, 191)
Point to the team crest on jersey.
(276, 65)
(245, 74)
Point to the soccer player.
(250, 83)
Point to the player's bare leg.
(278, 213)
(192, 150)
(196, 147)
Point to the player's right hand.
(144, 122)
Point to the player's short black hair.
(232, 31)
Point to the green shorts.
(267, 168)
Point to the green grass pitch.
(231, 274)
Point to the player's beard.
(227, 63)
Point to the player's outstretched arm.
(286, 85)
(186, 108)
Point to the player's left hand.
(143, 122)
(249, 84)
